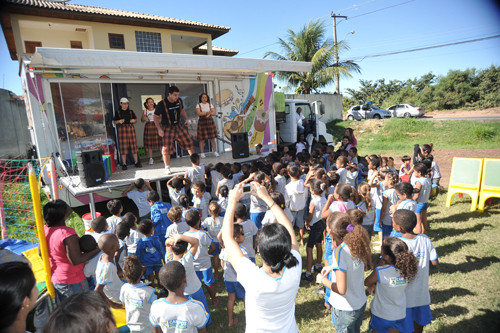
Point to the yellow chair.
(465, 178)
(490, 181)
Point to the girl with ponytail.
(350, 257)
(390, 281)
(270, 291)
(213, 224)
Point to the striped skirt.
(128, 141)
(206, 128)
(151, 138)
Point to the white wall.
(332, 104)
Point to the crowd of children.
(335, 199)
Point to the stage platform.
(153, 173)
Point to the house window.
(31, 46)
(76, 44)
(116, 41)
(148, 41)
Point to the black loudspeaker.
(90, 167)
(239, 145)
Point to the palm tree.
(310, 44)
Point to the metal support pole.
(92, 205)
(158, 188)
(336, 52)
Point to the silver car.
(406, 111)
(359, 112)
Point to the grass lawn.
(465, 286)
(396, 135)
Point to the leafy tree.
(310, 44)
(489, 87)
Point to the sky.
(380, 27)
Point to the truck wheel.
(350, 117)
(376, 116)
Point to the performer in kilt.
(206, 124)
(151, 140)
(170, 110)
(124, 120)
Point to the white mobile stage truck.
(72, 94)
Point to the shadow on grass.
(449, 311)
(441, 296)
(487, 322)
(438, 233)
(443, 250)
(460, 217)
(472, 264)
(308, 310)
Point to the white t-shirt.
(138, 299)
(113, 221)
(269, 302)
(196, 173)
(179, 227)
(132, 239)
(351, 178)
(228, 182)
(222, 203)
(354, 297)
(299, 117)
(417, 292)
(270, 218)
(204, 107)
(297, 193)
(141, 201)
(229, 272)
(392, 199)
(368, 219)
(342, 172)
(107, 275)
(202, 262)
(300, 146)
(150, 114)
(408, 204)
(435, 173)
(215, 177)
(174, 195)
(185, 317)
(213, 226)
(193, 284)
(250, 230)
(91, 265)
(425, 189)
(389, 302)
(319, 203)
(257, 205)
(202, 204)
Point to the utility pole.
(336, 51)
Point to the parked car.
(359, 112)
(406, 111)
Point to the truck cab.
(287, 124)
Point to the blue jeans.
(66, 290)
(348, 321)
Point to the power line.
(381, 9)
(361, 58)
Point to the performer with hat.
(124, 120)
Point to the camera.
(246, 188)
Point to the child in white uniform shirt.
(134, 236)
(279, 199)
(388, 307)
(347, 298)
(115, 208)
(178, 225)
(201, 199)
(202, 264)
(140, 197)
(137, 296)
(249, 228)
(107, 281)
(341, 170)
(233, 287)
(176, 310)
(297, 192)
(213, 225)
(418, 299)
(197, 171)
(177, 187)
(177, 250)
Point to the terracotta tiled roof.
(75, 8)
(215, 49)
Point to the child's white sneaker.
(167, 170)
(151, 161)
(202, 155)
(216, 154)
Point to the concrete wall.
(14, 134)
(332, 104)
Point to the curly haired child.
(390, 281)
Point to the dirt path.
(491, 112)
(444, 158)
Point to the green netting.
(16, 206)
